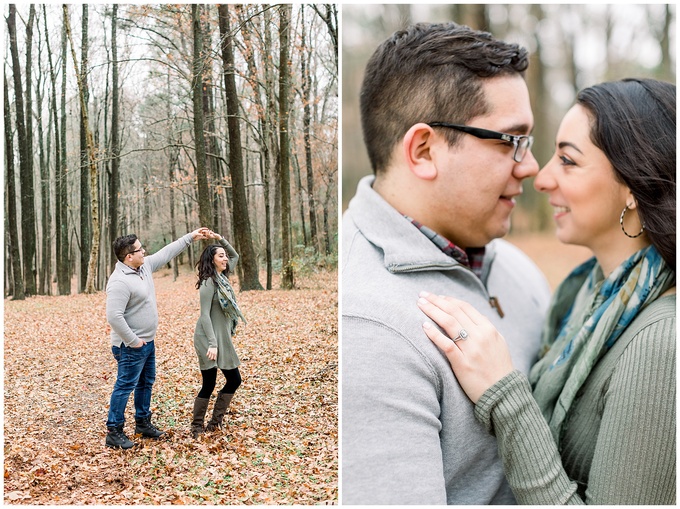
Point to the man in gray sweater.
(133, 316)
(446, 120)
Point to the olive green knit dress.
(213, 329)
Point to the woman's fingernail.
(427, 325)
(422, 301)
(423, 294)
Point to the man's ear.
(417, 145)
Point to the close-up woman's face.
(580, 181)
(220, 260)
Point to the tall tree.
(61, 202)
(28, 243)
(92, 162)
(45, 265)
(287, 274)
(306, 122)
(665, 38)
(27, 181)
(271, 141)
(172, 162)
(241, 218)
(209, 130)
(15, 256)
(85, 198)
(114, 177)
(204, 202)
(57, 140)
(85, 231)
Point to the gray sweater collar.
(404, 247)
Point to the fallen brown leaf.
(280, 446)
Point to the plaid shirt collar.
(472, 258)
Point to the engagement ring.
(462, 334)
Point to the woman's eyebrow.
(563, 144)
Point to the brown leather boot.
(200, 408)
(221, 406)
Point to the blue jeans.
(136, 372)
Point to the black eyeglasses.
(521, 143)
(137, 250)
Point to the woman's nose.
(545, 180)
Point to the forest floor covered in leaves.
(281, 443)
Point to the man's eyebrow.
(563, 144)
(522, 129)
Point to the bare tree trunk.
(540, 102)
(287, 276)
(57, 146)
(85, 219)
(28, 243)
(61, 205)
(265, 172)
(264, 129)
(326, 228)
(306, 122)
(114, 183)
(172, 161)
(664, 37)
(301, 202)
(15, 256)
(45, 266)
(204, 202)
(212, 163)
(94, 253)
(28, 204)
(241, 218)
(271, 141)
(105, 260)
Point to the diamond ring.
(462, 334)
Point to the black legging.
(210, 379)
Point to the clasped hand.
(478, 361)
(204, 233)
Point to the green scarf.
(227, 299)
(587, 315)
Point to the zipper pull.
(496, 305)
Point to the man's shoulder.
(118, 279)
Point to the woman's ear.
(631, 203)
(417, 146)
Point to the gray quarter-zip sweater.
(131, 308)
(409, 434)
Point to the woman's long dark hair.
(206, 264)
(633, 123)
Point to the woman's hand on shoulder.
(477, 352)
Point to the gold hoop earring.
(642, 229)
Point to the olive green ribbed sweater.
(618, 445)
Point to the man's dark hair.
(123, 246)
(430, 73)
(633, 122)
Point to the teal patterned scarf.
(227, 299)
(587, 315)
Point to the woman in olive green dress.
(214, 330)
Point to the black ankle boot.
(117, 439)
(146, 429)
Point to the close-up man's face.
(477, 179)
(136, 257)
